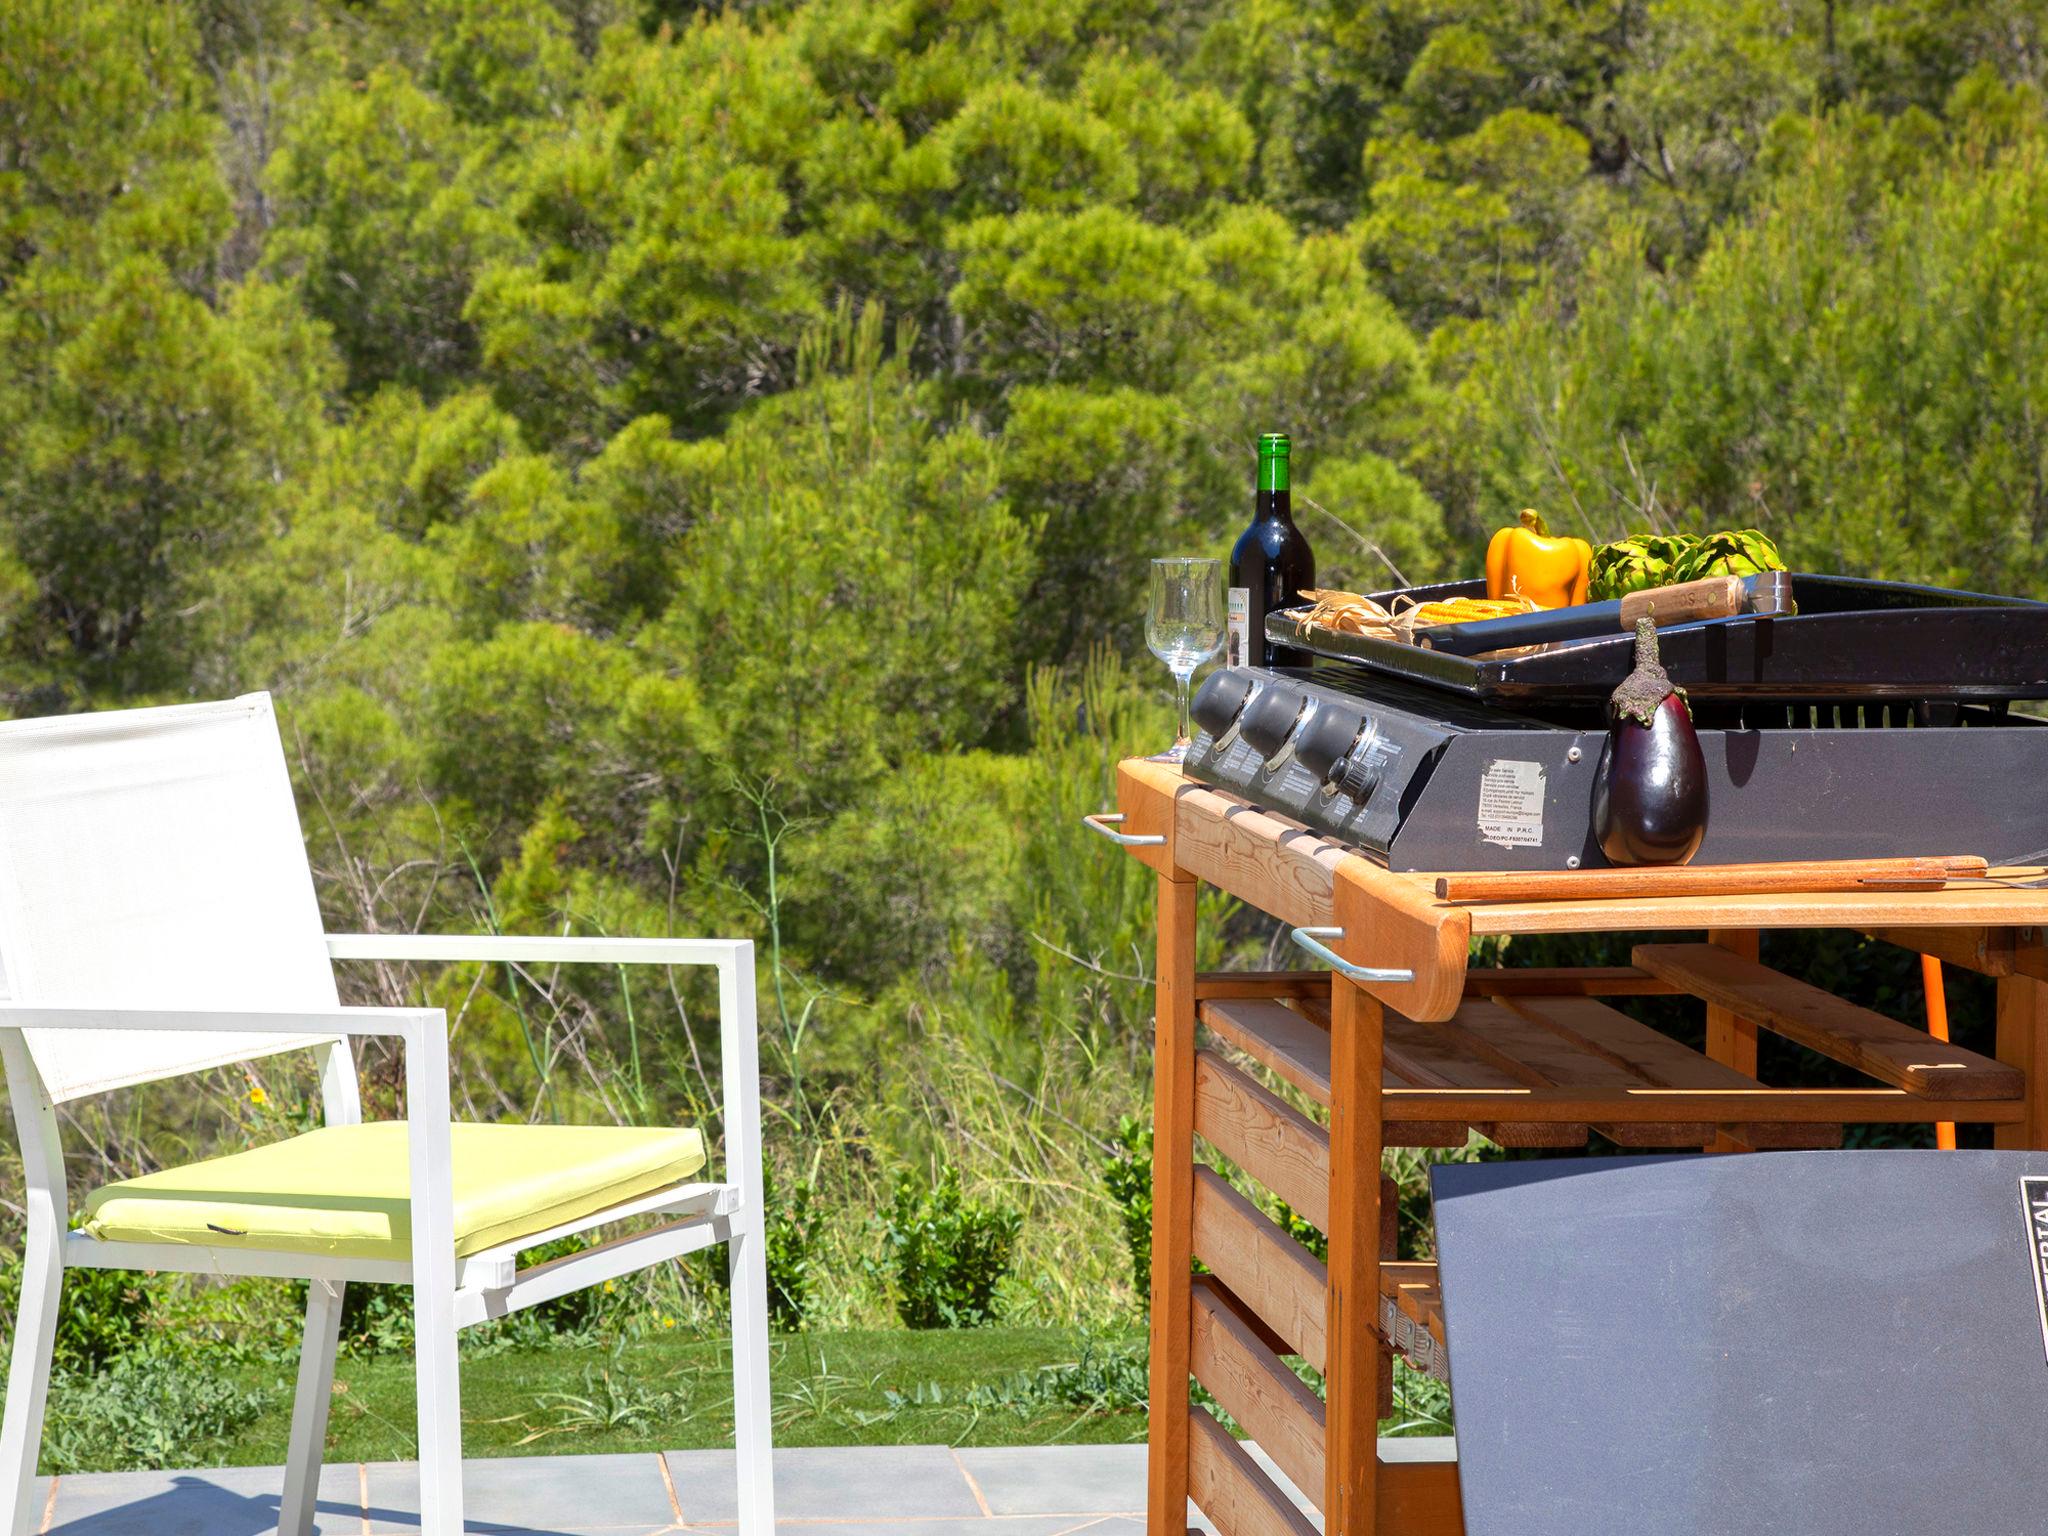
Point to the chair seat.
(341, 1191)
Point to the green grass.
(666, 1392)
(672, 1391)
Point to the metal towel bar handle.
(1101, 822)
(1310, 939)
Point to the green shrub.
(944, 1254)
(102, 1312)
(792, 1234)
(148, 1408)
(1127, 1174)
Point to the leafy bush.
(102, 1313)
(147, 1408)
(792, 1223)
(1127, 1174)
(945, 1254)
(792, 1233)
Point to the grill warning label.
(1511, 804)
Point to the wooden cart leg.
(2023, 1043)
(1351, 1382)
(1731, 1039)
(1173, 1200)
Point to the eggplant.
(1650, 799)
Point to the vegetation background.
(690, 469)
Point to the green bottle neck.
(1273, 451)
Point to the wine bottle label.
(1238, 646)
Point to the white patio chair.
(157, 918)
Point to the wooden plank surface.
(1273, 1142)
(1778, 1106)
(1260, 858)
(1255, 1387)
(1351, 1384)
(1439, 1133)
(2023, 1044)
(1658, 1060)
(1564, 981)
(1974, 903)
(1420, 1498)
(1987, 951)
(1530, 1052)
(1282, 1039)
(1228, 984)
(1884, 1048)
(1229, 1487)
(1173, 1189)
(1425, 1056)
(1731, 1038)
(1267, 1270)
(1388, 921)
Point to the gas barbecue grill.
(1877, 720)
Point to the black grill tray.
(1852, 639)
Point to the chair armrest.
(409, 1024)
(535, 949)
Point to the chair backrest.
(152, 858)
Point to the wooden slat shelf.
(1284, 1040)
(1887, 1050)
(1650, 1057)
(1544, 1039)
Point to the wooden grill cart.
(1529, 1057)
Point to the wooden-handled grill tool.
(1688, 602)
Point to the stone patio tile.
(831, 1483)
(1024, 1525)
(1059, 1480)
(535, 1496)
(230, 1501)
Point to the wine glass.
(1184, 626)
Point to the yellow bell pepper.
(1525, 559)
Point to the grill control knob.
(1269, 721)
(1337, 748)
(1219, 704)
(1354, 777)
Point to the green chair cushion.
(342, 1190)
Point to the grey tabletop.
(1800, 1342)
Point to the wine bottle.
(1270, 565)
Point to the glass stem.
(1181, 680)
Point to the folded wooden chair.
(157, 918)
